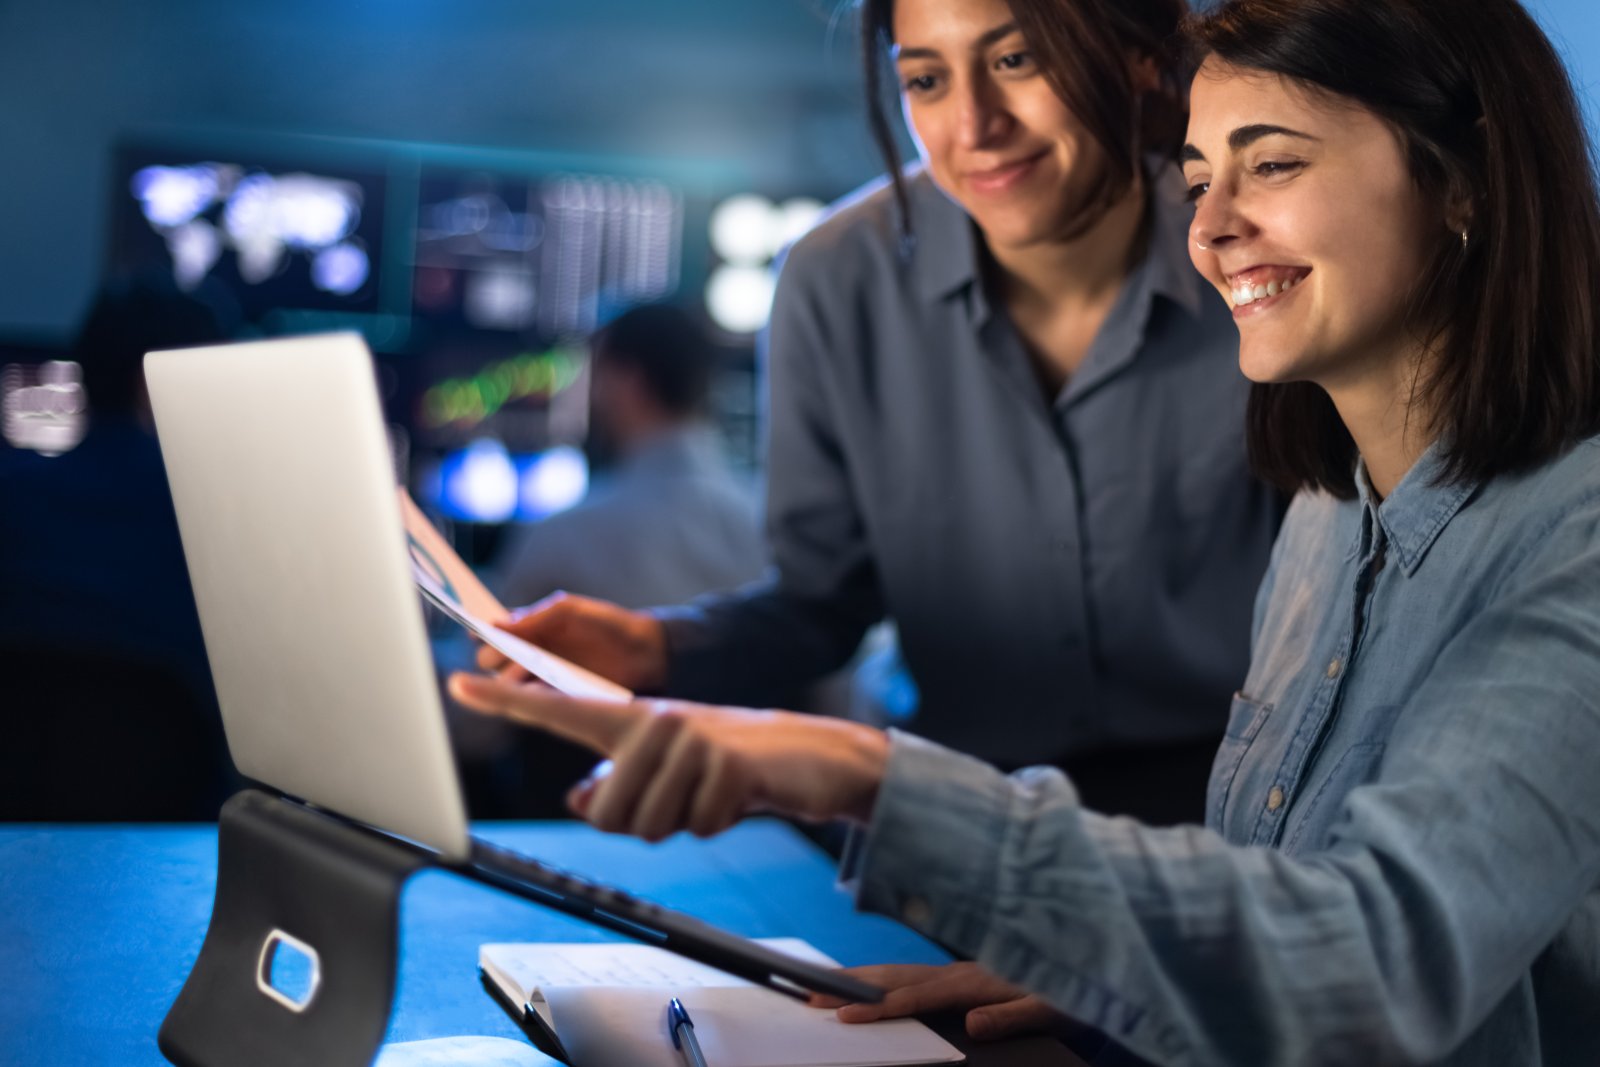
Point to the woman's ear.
(1459, 216)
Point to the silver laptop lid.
(285, 493)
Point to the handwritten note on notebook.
(607, 1003)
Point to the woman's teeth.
(1246, 294)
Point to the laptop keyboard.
(563, 883)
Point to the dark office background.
(747, 95)
(730, 96)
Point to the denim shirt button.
(916, 911)
(1333, 668)
(1275, 798)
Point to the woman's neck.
(1386, 417)
(1059, 293)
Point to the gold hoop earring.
(1463, 240)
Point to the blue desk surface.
(100, 925)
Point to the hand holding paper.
(628, 647)
(451, 586)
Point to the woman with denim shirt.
(1401, 857)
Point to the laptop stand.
(291, 880)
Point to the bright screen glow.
(550, 481)
(43, 407)
(485, 483)
(748, 232)
(740, 298)
(274, 237)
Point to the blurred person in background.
(110, 708)
(670, 520)
(1005, 413)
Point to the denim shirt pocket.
(1245, 719)
(1356, 767)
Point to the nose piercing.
(1202, 246)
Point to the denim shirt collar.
(947, 260)
(1416, 512)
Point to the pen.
(683, 1038)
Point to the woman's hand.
(628, 647)
(995, 1009)
(678, 766)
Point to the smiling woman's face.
(1308, 222)
(993, 133)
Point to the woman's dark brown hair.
(1494, 132)
(1084, 48)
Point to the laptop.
(284, 484)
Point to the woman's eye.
(917, 83)
(1196, 191)
(1277, 168)
(1014, 61)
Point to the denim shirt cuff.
(930, 855)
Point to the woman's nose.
(984, 117)
(1217, 221)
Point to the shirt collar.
(945, 257)
(1419, 508)
(1172, 275)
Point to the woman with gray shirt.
(1004, 413)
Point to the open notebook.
(606, 1004)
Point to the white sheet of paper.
(450, 584)
(736, 1027)
(432, 554)
(546, 666)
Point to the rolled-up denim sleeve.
(1441, 882)
(808, 614)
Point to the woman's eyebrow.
(1245, 136)
(988, 37)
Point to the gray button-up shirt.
(1066, 574)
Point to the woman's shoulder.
(1561, 491)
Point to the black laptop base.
(283, 869)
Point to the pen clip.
(677, 1016)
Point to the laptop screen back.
(300, 571)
